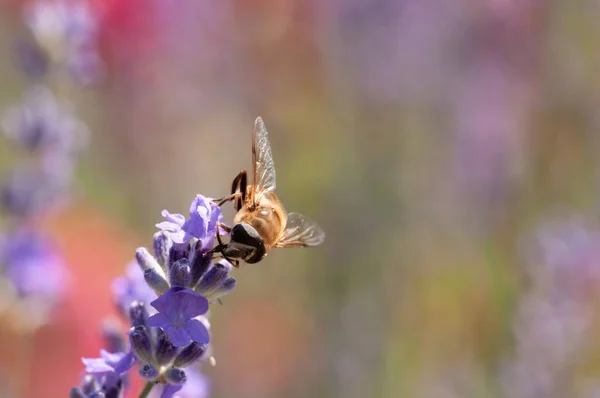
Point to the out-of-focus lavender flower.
(41, 123)
(196, 386)
(570, 256)
(33, 265)
(113, 335)
(552, 324)
(106, 385)
(389, 50)
(27, 191)
(177, 309)
(31, 58)
(33, 270)
(50, 131)
(67, 31)
(132, 287)
(201, 225)
(119, 362)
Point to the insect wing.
(263, 168)
(300, 232)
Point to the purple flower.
(33, 265)
(67, 31)
(196, 385)
(40, 122)
(174, 225)
(170, 390)
(201, 225)
(31, 58)
(26, 192)
(132, 287)
(553, 324)
(177, 309)
(118, 363)
(43, 126)
(105, 374)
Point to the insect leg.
(221, 246)
(238, 192)
(223, 227)
(219, 202)
(238, 188)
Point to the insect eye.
(246, 234)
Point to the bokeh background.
(434, 141)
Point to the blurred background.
(449, 149)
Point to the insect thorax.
(267, 220)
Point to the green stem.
(147, 389)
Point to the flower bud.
(148, 372)
(76, 393)
(199, 263)
(90, 384)
(140, 343)
(226, 286)
(162, 244)
(112, 385)
(175, 376)
(114, 336)
(178, 250)
(165, 351)
(147, 261)
(138, 314)
(179, 274)
(213, 278)
(157, 282)
(190, 354)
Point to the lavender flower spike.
(201, 225)
(176, 310)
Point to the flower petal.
(199, 202)
(158, 320)
(178, 336)
(110, 357)
(197, 331)
(176, 218)
(215, 216)
(163, 303)
(96, 365)
(179, 237)
(168, 226)
(125, 363)
(169, 390)
(196, 385)
(191, 304)
(195, 226)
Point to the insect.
(261, 222)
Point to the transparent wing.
(263, 168)
(300, 232)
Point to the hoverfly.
(261, 222)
